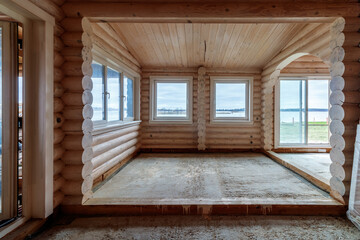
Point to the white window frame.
(101, 124)
(249, 100)
(277, 113)
(189, 103)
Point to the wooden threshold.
(318, 181)
(204, 209)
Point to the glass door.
(292, 112)
(8, 120)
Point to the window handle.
(107, 94)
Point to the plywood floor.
(207, 178)
(196, 227)
(318, 164)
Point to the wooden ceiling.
(205, 44)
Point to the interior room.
(229, 59)
(132, 108)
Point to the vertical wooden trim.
(201, 109)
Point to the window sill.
(171, 122)
(231, 122)
(104, 128)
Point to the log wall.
(157, 136)
(344, 99)
(66, 84)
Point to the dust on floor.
(239, 177)
(197, 227)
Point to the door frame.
(38, 109)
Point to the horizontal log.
(87, 170)
(58, 167)
(72, 142)
(72, 157)
(58, 30)
(72, 39)
(58, 183)
(72, 126)
(87, 155)
(58, 44)
(110, 154)
(72, 99)
(72, 24)
(168, 141)
(98, 139)
(72, 172)
(87, 140)
(58, 120)
(351, 69)
(72, 84)
(58, 74)
(58, 59)
(58, 152)
(111, 163)
(108, 145)
(72, 54)
(58, 89)
(337, 185)
(72, 69)
(196, 11)
(73, 112)
(58, 135)
(57, 198)
(351, 111)
(72, 188)
(249, 141)
(87, 185)
(165, 146)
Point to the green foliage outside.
(318, 132)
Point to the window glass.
(113, 95)
(128, 97)
(230, 100)
(171, 99)
(98, 92)
(318, 111)
(292, 111)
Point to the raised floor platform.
(236, 183)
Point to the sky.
(317, 95)
(171, 95)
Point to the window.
(231, 100)
(171, 99)
(303, 111)
(113, 95)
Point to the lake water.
(312, 116)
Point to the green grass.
(317, 131)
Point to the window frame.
(99, 124)
(277, 143)
(249, 81)
(153, 103)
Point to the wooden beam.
(217, 12)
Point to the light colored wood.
(111, 163)
(306, 173)
(111, 144)
(163, 41)
(113, 152)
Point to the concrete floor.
(190, 178)
(196, 227)
(317, 164)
